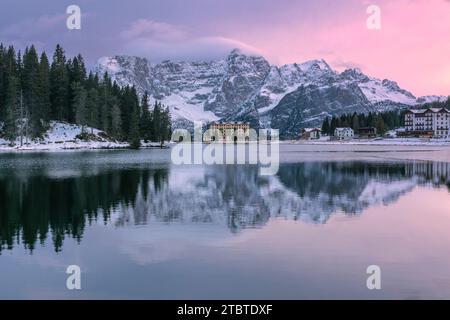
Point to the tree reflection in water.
(38, 206)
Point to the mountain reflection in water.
(38, 206)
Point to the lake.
(140, 227)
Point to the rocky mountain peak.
(247, 87)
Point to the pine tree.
(146, 125)
(355, 122)
(79, 105)
(44, 89)
(11, 112)
(380, 125)
(59, 86)
(326, 126)
(31, 92)
(76, 71)
(92, 107)
(166, 126)
(116, 120)
(156, 117)
(133, 136)
(2, 82)
(105, 113)
(333, 125)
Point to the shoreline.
(372, 142)
(76, 147)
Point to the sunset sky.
(412, 47)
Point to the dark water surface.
(141, 228)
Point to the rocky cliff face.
(247, 88)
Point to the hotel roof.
(434, 110)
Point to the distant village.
(431, 123)
(419, 123)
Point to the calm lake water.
(142, 228)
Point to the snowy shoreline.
(63, 137)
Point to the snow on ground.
(63, 136)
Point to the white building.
(433, 122)
(344, 133)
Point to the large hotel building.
(227, 131)
(431, 122)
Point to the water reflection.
(38, 206)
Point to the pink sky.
(412, 47)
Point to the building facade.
(344, 133)
(310, 133)
(227, 132)
(431, 122)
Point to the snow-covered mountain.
(247, 88)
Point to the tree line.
(35, 91)
(382, 121)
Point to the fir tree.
(133, 136)
(326, 126)
(31, 92)
(59, 86)
(116, 120)
(146, 125)
(11, 109)
(92, 107)
(79, 104)
(44, 90)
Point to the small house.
(344, 133)
(367, 132)
(310, 133)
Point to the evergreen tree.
(166, 126)
(76, 72)
(59, 86)
(326, 126)
(116, 120)
(355, 122)
(380, 125)
(156, 117)
(31, 92)
(44, 89)
(11, 109)
(333, 125)
(92, 107)
(146, 125)
(133, 135)
(2, 82)
(79, 105)
(105, 113)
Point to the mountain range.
(245, 87)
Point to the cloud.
(159, 41)
(148, 29)
(341, 64)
